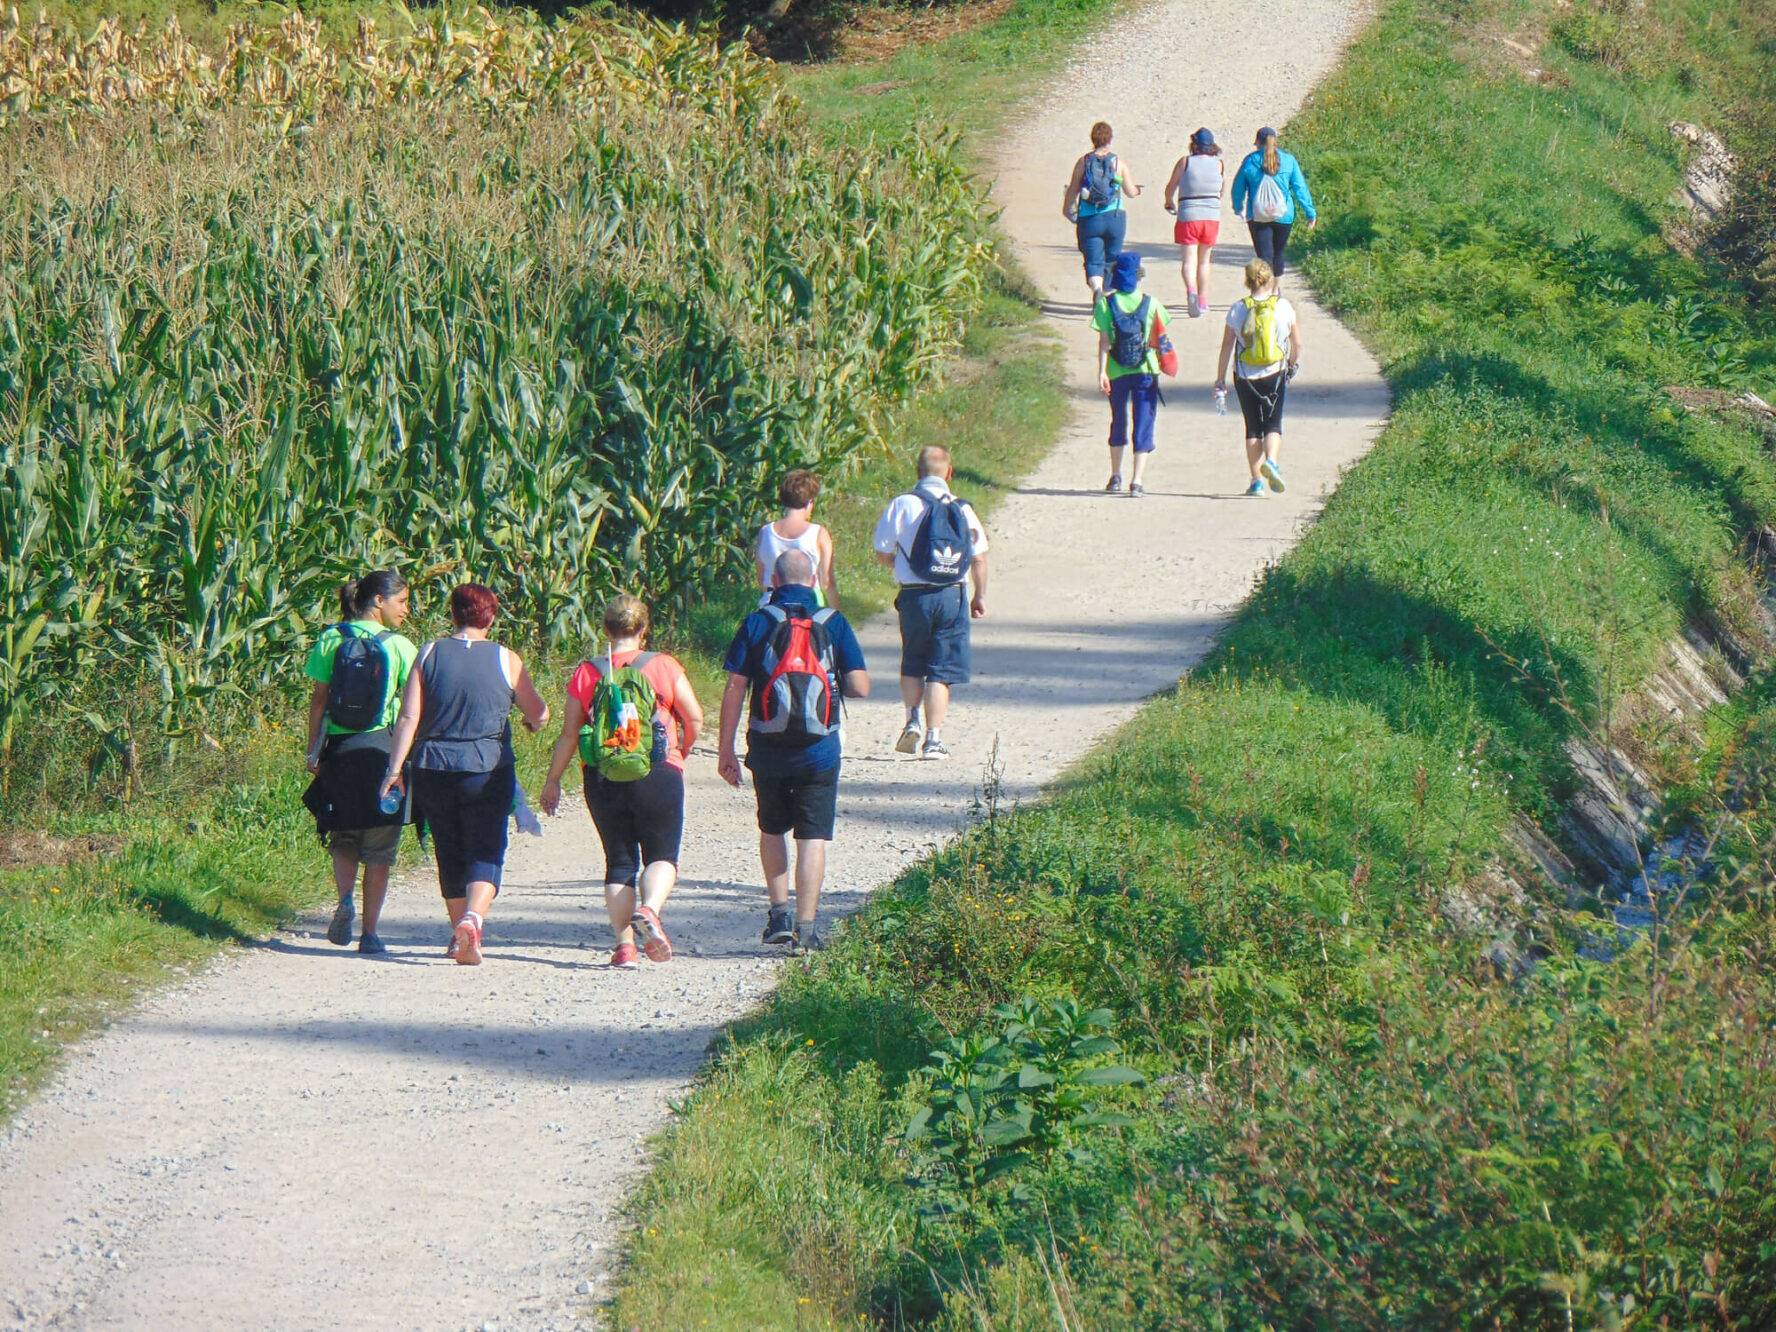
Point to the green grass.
(1358, 1113)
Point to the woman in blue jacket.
(1270, 226)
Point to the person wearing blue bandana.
(1130, 325)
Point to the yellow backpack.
(1260, 344)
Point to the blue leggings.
(1141, 394)
(1100, 240)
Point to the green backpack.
(618, 737)
(1263, 346)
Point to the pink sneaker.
(625, 958)
(653, 935)
(467, 941)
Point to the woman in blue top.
(1093, 204)
(1270, 226)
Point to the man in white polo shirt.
(936, 545)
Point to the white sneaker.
(909, 739)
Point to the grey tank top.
(465, 721)
(1199, 192)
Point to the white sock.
(912, 718)
(931, 735)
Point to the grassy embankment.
(1351, 1116)
(211, 844)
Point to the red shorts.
(1195, 233)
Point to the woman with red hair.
(456, 720)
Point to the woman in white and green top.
(347, 761)
(1264, 329)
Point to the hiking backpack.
(1269, 202)
(943, 545)
(1128, 339)
(622, 738)
(1259, 343)
(358, 687)
(798, 703)
(1099, 180)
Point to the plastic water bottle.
(390, 802)
(1220, 402)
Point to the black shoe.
(369, 943)
(807, 939)
(780, 925)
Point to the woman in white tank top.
(797, 530)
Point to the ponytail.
(357, 595)
(1272, 163)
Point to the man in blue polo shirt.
(792, 739)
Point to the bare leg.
(1116, 460)
(1190, 269)
(345, 873)
(912, 692)
(480, 898)
(1140, 466)
(774, 857)
(454, 907)
(937, 703)
(376, 886)
(1272, 442)
(619, 903)
(657, 882)
(810, 872)
(1254, 452)
(1202, 275)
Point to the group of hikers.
(399, 733)
(1262, 336)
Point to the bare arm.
(1103, 363)
(1177, 178)
(978, 569)
(1070, 200)
(1295, 344)
(573, 717)
(829, 576)
(1226, 355)
(689, 713)
(855, 684)
(531, 708)
(1128, 181)
(406, 726)
(885, 558)
(733, 700)
(317, 724)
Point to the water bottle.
(390, 802)
(1220, 402)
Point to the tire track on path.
(300, 1138)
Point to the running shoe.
(467, 941)
(1272, 474)
(1114, 485)
(807, 939)
(371, 944)
(934, 749)
(780, 925)
(1257, 488)
(652, 935)
(1198, 308)
(1136, 490)
(625, 958)
(339, 929)
(909, 739)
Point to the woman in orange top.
(641, 823)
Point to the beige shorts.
(368, 846)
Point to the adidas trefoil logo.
(946, 557)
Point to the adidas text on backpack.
(618, 739)
(798, 701)
(943, 545)
(357, 689)
(1128, 341)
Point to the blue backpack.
(1099, 180)
(1128, 341)
(943, 547)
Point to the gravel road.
(301, 1138)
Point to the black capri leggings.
(1261, 403)
(1269, 240)
(466, 813)
(638, 822)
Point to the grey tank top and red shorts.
(463, 774)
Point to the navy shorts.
(934, 633)
(805, 803)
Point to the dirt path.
(302, 1138)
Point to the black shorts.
(639, 823)
(467, 814)
(806, 804)
(1261, 403)
(934, 633)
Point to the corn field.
(557, 342)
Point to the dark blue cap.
(1126, 272)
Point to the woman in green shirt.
(348, 742)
